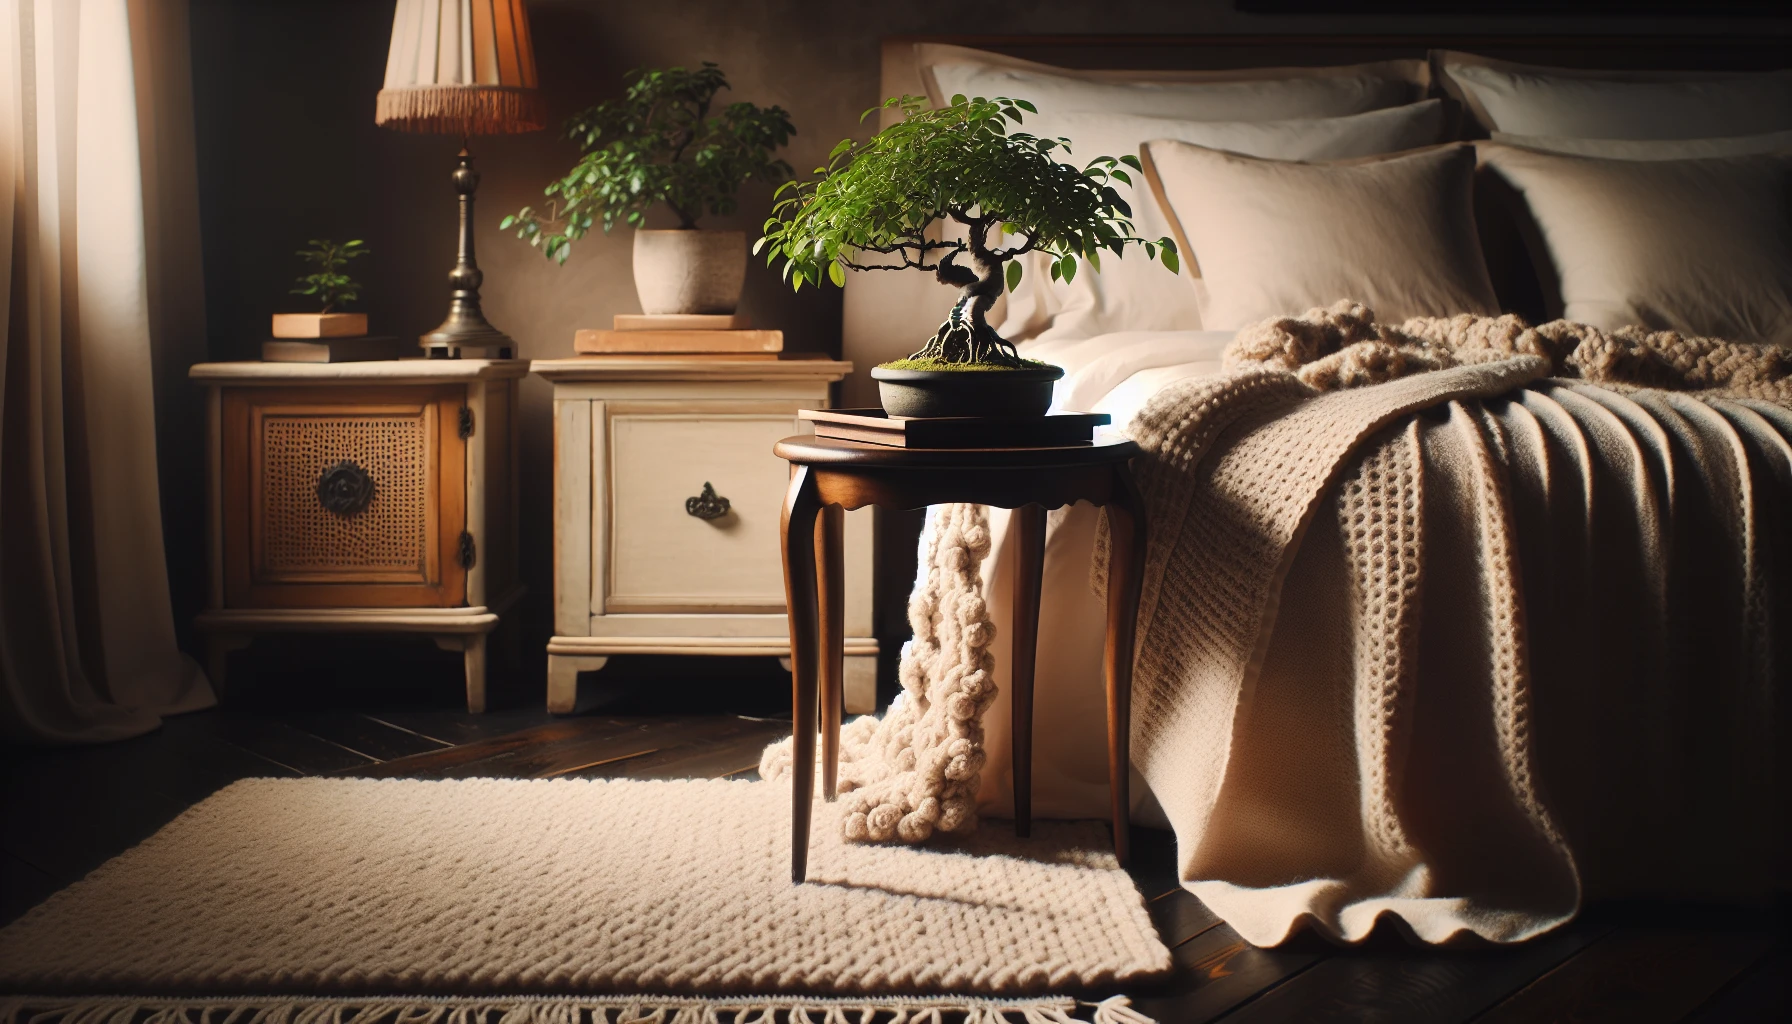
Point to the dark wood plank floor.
(63, 812)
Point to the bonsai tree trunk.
(965, 336)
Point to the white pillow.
(1272, 238)
(1526, 100)
(1249, 94)
(1652, 149)
(1698, 246)
(1132, 293)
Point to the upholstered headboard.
(888, 315)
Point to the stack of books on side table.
(668, 334)
(329, 338)
(874, 426)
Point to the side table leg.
(1126, 571)
(1028, 525)
(830, 560)
(801, 504)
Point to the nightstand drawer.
(670, 554)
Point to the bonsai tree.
(960, 163)
(657, 144)
(328, 283)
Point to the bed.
(1657, 748)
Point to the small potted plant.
(659, 144)
(330, 285)
(1008, 194)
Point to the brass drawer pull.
(345, 488)
(708, 505)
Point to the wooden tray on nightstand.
(874, 426)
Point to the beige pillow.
(1388, 130)
(1698, 246)
(1243, 94)
(1652, 149)
(1269, 237)
(1132, 293)
(1524, 99)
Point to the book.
(598, 342)
(336, 350)
(874, 426)
(319, 325)
(679, 322)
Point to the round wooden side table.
(829, 477)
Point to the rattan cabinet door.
(350, 497)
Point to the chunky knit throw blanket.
(1360, 493)
(917, 769)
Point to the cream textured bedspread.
(1471, 645)
(1466, 648)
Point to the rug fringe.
(564, 1010)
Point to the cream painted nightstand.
(371, 497)
(646, 560)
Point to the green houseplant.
(875, 202)
(331, 286)
(658, 144)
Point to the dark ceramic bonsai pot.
(1023, 391)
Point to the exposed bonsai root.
(966, 338)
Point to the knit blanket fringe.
(630, 1009)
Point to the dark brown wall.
(284, 93)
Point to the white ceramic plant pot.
(690, 271)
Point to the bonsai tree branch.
(1008, 254)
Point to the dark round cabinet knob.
(708, 505)
(344, 488)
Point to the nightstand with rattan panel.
(362, 497)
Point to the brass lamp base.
(465, 331)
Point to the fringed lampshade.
(460, 67)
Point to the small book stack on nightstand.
(670, 334)
(328, 338)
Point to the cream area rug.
(317, 889)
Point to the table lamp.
(462, 67)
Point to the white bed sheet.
(1116, 374)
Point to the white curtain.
(87, 643)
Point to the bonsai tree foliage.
(961, 163)
(657, 144)
(328, 282)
